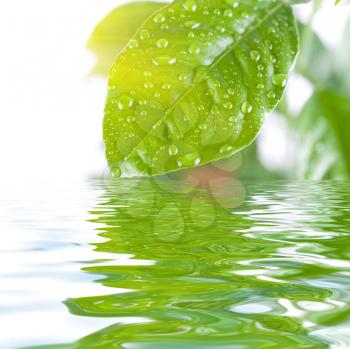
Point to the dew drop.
(162, 43)
(280, 80)
(166, 86)
(226, 148)
(116, 172)
(192, 24)
(246, 107)
(144, 34)
(133, 43)
(125, 102)
(228, 105)
(130, 118)
(271, 95)
(148, 85)
(255, 55)
(173, 150)
(189, 160)
(159, 18)
(194, 50)
(164, 60)
(231, 91)
(190, 5)
(147, 74)
(182, 77)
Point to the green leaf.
(195, 83)
(324, 129)
(114, 31)
(315, 61)
(325, 68)
(341, 82)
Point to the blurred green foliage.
(323, 125)
(324, 136)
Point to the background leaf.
(324, 137)
(325, 68)
(195, 83)
(114, 31)
(315, 59)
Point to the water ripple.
(270, 272)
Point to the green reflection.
(248, 267)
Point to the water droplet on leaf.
(173, 150)
(148, 85)
(194, 49)
(166, 86)
(192, 24)
(280, 80)
(159, 18)
(226, 149)
(254, 55)
(228, 105)
(162, 43)
(246, 107)
(163, 60)
(144, 34)
(189, 160)
(125, 102)
(190, 5)
(116, 172)
(133, 43)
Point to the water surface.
(159, 264)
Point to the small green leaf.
(324, 129)
(114, 31)
(195, 82)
